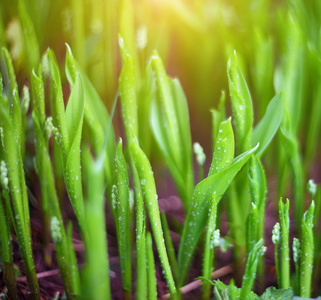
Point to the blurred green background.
(273, 40)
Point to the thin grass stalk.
(29, 37)
(141, 280)
(149, 191)
(250, 269)
(208, 260)
(6, 247)
(122, 217)
(284, 268)
(307, 252)
(96, 278)
(48, 191)
(38, 97)
(169, 246)
(251, 229)
(17, 187)
(76, 285)
(151, 274)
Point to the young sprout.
(284, 244)
(307, 252)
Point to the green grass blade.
(127, 92)
(170, 125)
(169, 246)
(208, 260)
(198, 214)
(122, 214)
(72, 171)
(76, 285)
(96, 273)
(149, 191)
(48, 192)
(251, 229)
(151, 275)
(265, 130)
(307, 252)
(284, 245)
(29, 37)
(57, 105)
(224, 148)
(96, 116)
(241, 106)
(250, 269)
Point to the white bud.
(276, 233)
(199, 152)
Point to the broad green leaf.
(265, 130)
(273, 293)
(198, 213)
(224, 148)
(241, 105)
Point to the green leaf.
(224, 148)
(127, 92)
(241, 105)
(29, 37)
(57, 101)
(75, 110)
(307, 252)
(273, 293)
(198, 213)
(95, 113)
(265, 130)
(182, 113)
(147, 180)
(123, 221)
(170, 125)
(74, 116)
(38, 95)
